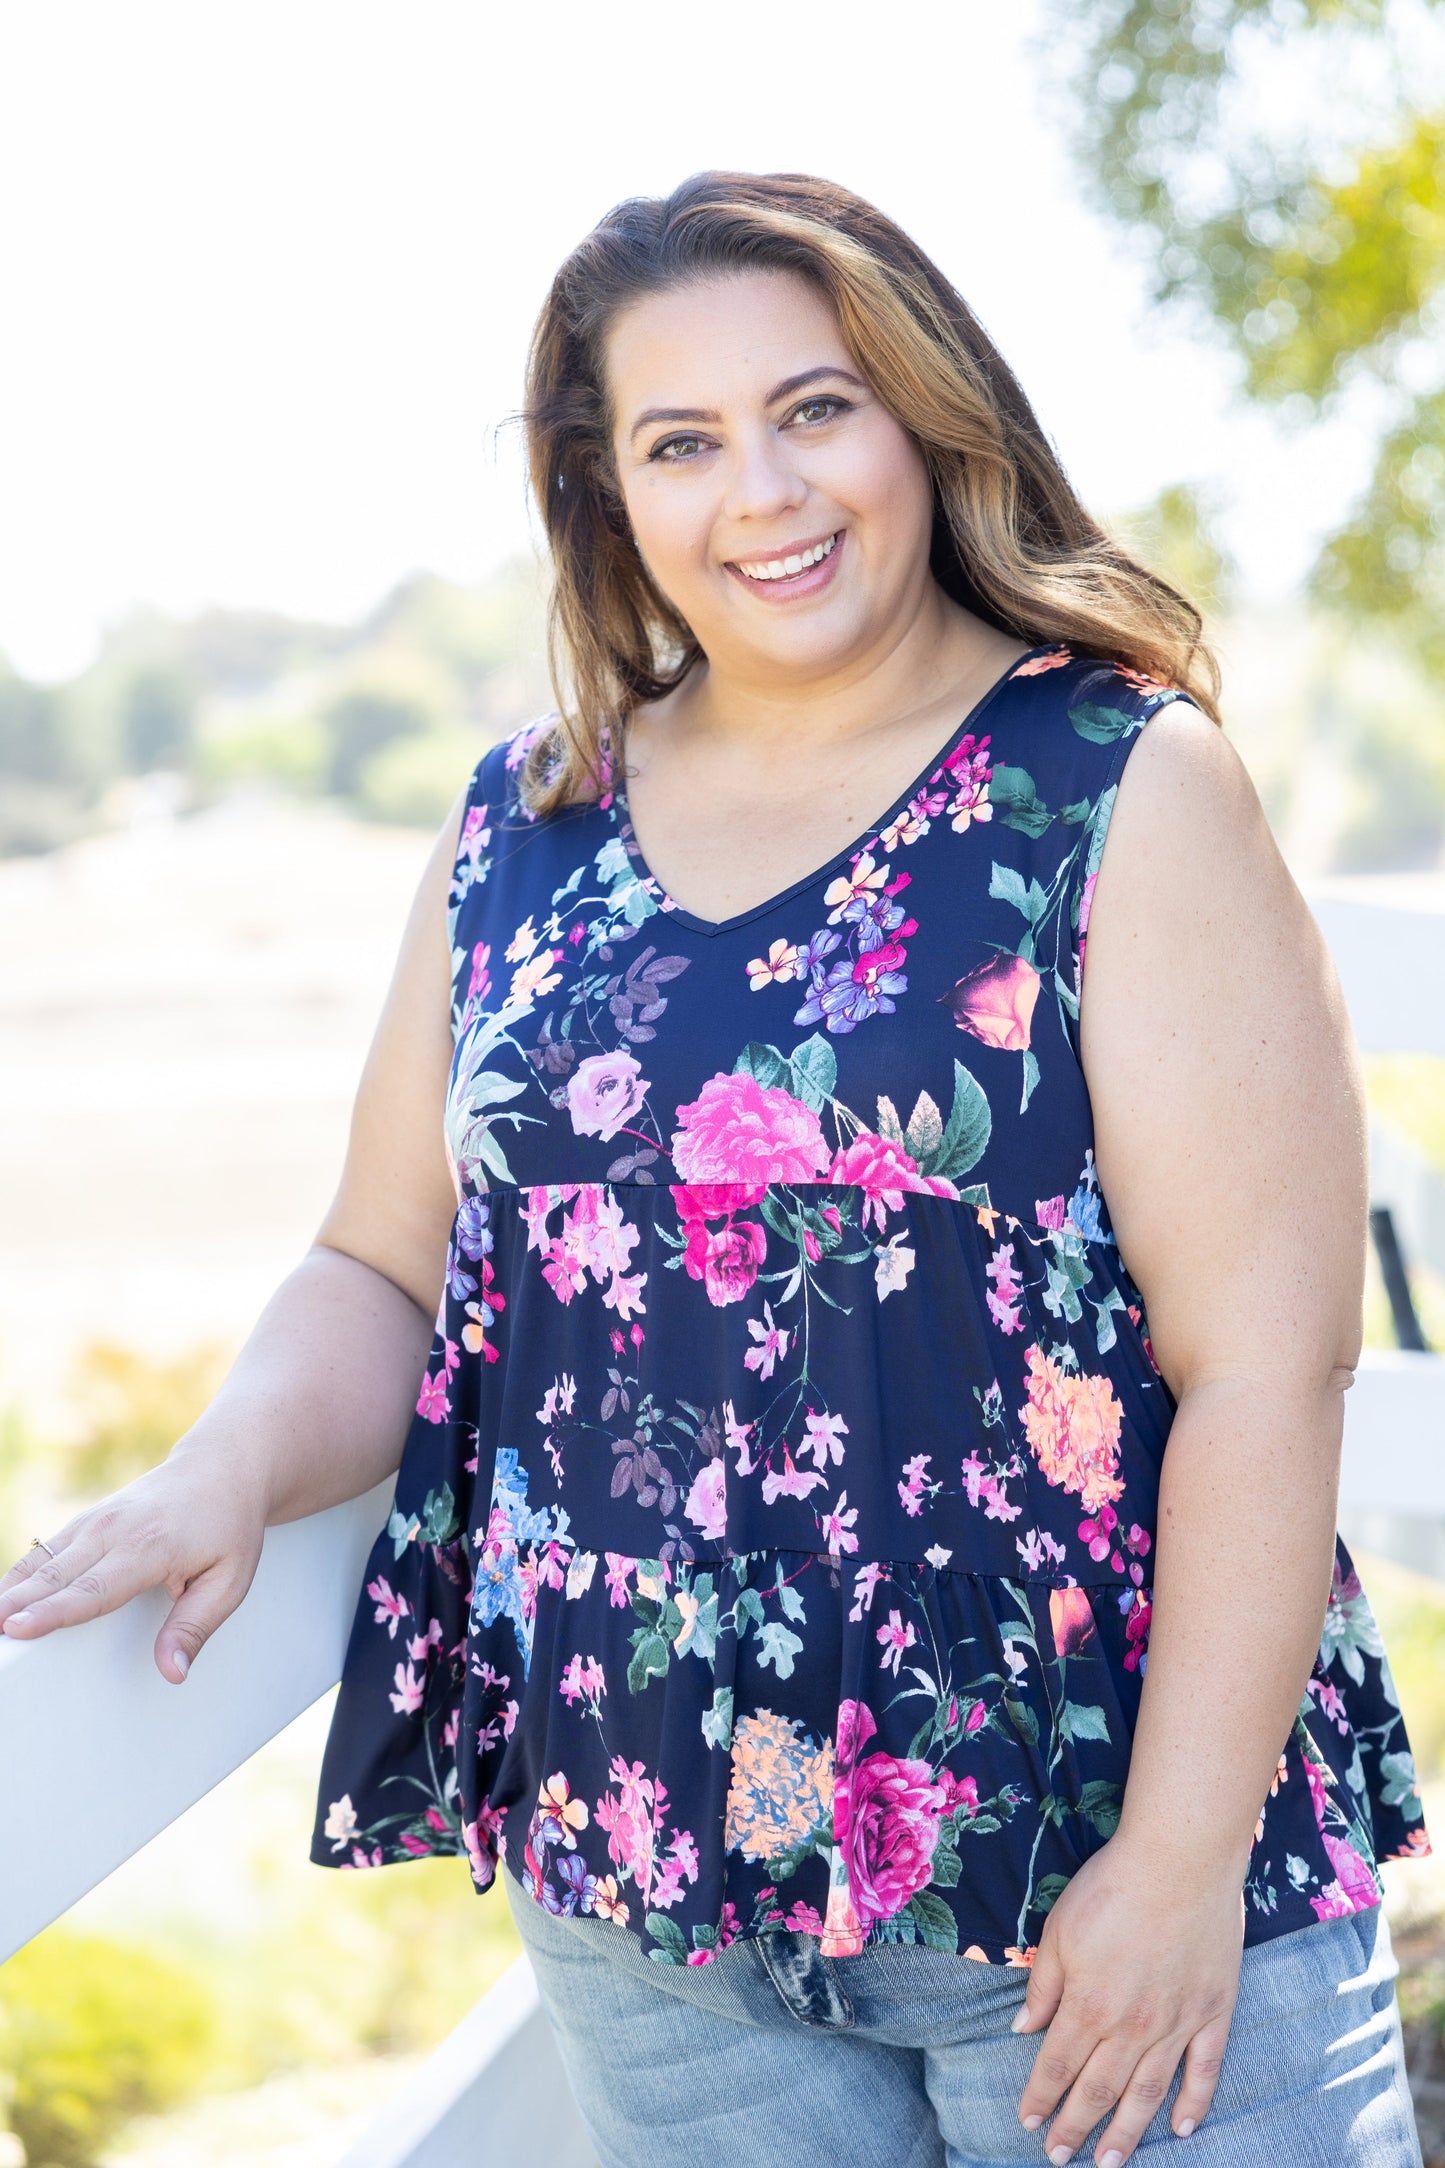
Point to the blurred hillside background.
(268, 589)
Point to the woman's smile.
(802, 569)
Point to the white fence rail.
(90, 1699)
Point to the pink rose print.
(883, 1171)
(996, 1003)
(605, 1090)
(738, 1130)
(1072, 1617)
(886, 1814)
(726, 1258)
(1352, 1889)
(1086, 905)
(706, 1503)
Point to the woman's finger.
(207, 1603)
(1138, 2103)
(89, 1577)
(1203, 2060)
(43, 1576)
(1063, 2052)
(1098, 2086)
(31, 1562)
(1045, 1987)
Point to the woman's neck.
(941, 657)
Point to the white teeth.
(788, 568)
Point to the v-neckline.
(680, 915)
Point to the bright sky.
(269, 268)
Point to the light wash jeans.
(772, 2056)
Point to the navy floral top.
(772, 1542)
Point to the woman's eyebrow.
(653, 415)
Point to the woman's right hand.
(188, 1526)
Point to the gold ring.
(43, 1545)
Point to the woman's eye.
(818, 410)
(673, 450)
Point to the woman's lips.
(793, 585)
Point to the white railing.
(494, 2094)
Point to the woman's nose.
(763, 482)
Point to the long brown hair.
(1011, 541)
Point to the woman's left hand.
(1137, 1966)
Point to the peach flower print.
(1072, 1426)
(1035, 665)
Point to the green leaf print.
(1350, 1632)
(888, 1124)
(1022, 1718)
(1082, 1720)
(965, 1138)
(924, 1133)
(1031, 1078)
(1049, 1891)
(632, 902)
(1016, 801)
(717, 1722)
(1104, 1333)
(671, 1948)
(764, 1063)
(439, 1517)
(778, 1647)
(479, 1141)
(1099, 1803)
(934, 1920)
(650, 1653)
(815, 1072)
(1008, 886)
(788, 1597)
(1101, 726)
(1400, 1788)
(401, 1529)
(947, 1864)
(702, 1641)
(1098, 830)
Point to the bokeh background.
(269, 587)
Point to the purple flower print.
(474, 1231)
(849, 992)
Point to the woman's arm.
(316, 1406)
(1230, 1141)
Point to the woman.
(787, 1580)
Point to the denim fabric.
(772, 2053)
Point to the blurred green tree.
(1282, 164)
(134, 1408)
(1174, 535)
(359, 724)
(92, 2033)
(158, 719)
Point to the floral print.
(772, 1542)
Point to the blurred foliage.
(132, 1409)
(1174, 536)
(92, 2033)
(1407, 1091)
(1317, 249)
(387, 716)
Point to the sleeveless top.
(771, 1546)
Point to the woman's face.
(782, 510)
